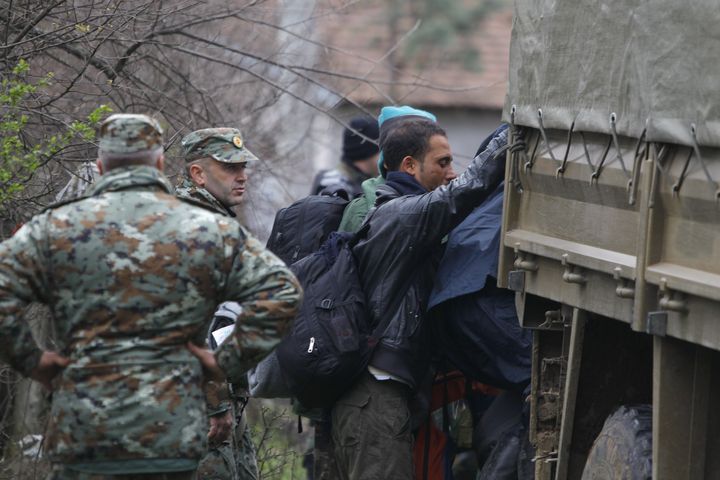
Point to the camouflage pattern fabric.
(187, 190)
(324, 464)
(129, 133)
(131, 273)
(59, 472)
(235, 458)
(219, 463)
(217, 397)
(222, 144)
(245, 453)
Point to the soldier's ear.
(197, 174)
(99, 164)
(160, 162)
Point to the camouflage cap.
(129, 133)
(222, 144)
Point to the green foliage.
(279, 447)
(20, 158)
(444, 29)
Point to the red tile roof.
(358, 41)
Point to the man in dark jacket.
(420, 203)
(358, 208)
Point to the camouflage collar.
(188, 190)
(128, 177)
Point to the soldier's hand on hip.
(220, 428)
(211, 369)
(50, 364)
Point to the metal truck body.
(611, 225)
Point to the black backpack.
(331, 341)
(300, 229)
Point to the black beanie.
(356, 147)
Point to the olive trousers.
(371, 432)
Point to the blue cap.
(390, 116)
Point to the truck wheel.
(623, 449)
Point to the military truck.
(611, 234)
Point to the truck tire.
(623, 449)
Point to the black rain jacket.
(398, 258)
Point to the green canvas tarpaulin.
(655, 64)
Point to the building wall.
(466, 129)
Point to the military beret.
(129, 133)
(222, 144)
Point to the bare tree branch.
(36, 20)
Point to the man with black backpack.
(396, 260)
(215, 178)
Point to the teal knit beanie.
(390, 117)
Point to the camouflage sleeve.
(269, 295)
(217, 398)
(21, 282)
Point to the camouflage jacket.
(131, 273)
(217, 395)
(187, 190)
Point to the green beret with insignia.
(129, 133)
(222, 144)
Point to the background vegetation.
(257, 64)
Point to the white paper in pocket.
(222, 333)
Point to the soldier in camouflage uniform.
(132, 275)
(215, 168)
(215, 176)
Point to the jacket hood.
(370, 190)
(398, 184)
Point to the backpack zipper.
(311, 347)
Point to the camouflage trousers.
(233, 460)
(324, 464)
(60, 472)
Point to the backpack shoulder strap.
(364, 229)
(337, 190)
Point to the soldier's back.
(134, 274)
